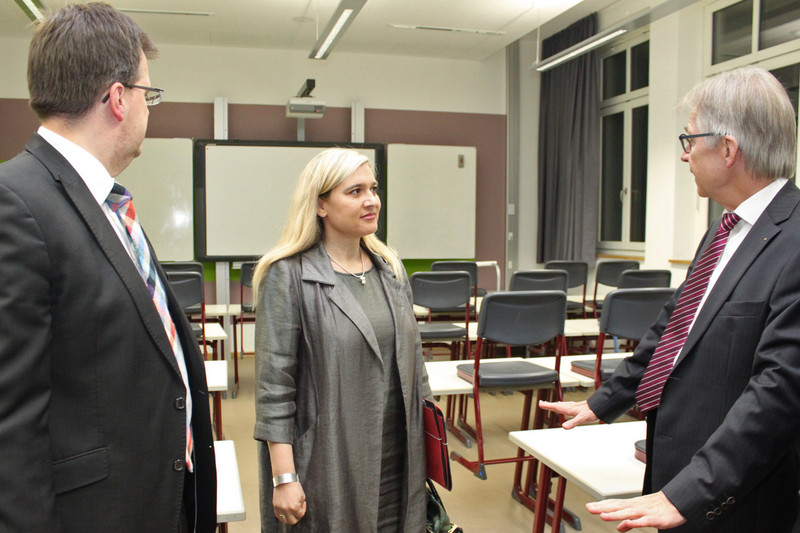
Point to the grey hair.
(752, 106)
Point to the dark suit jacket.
(92, 423)
(722, 444)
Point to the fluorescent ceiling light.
(32, 8)
(444, 28)
(581, 48)
(165, 12)
(345, 12)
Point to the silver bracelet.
(280, 479)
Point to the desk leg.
(542, 497)
(222, 527)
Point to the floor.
(474, 504)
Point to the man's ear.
(116, 101)
(731, 150)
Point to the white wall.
(254, 76)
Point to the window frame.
(624, 103)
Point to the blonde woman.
(339, 372)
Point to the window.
(752, 30)
(624, 112)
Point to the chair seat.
(247, 307)
(586, 368)
(197, 329)
(195, 309)
(441, 330)
(515, 374)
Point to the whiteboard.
(243, 191)
(432, 215)
(161, 183)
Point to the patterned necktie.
(121, 202)
(648, 395)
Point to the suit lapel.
(766, 228)
(107, 240)
(317, 268)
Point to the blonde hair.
(303, 227)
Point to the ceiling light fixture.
(345, 12)
(166, 12)
(579, 49)
(32, 8)
(443, 28)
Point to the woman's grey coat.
(319, 387)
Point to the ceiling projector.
(305, 108)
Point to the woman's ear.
(321, 212)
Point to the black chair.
(442, 292)
(639, 279)
(465, 266)
(539, 280)
(518, 318)
(188, 289)
(608, 273)
(627, 314)
(246, 307)
(577, 276)
(182, 266)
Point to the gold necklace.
(362, 276)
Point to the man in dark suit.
(723, 406)
(104, 418)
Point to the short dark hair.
(77, 52)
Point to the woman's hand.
(289, 502)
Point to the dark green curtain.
(569, 149)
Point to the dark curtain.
(569, 150)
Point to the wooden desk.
(230, 502)
(599, 459)
(217, 381)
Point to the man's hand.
(579, 412)
(652, 510)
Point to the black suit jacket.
(722, 444)
(92, 423)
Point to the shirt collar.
(88, 167)
(750, 210)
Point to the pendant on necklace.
(363, 279)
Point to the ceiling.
(293, 24)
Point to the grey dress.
(321, 387)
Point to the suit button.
(180, 403)
(178, 465)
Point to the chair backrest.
(247, 273)
(629, 313)
(608, 272)
(635, 279)
(465, 266)
(188, 288)
(539, 280)
(441, 291)
(577, 271)
(522, 318)
(182, 266)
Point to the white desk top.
(444, 380)
(214, 332)
(217, 375)
(597, 458)
(221, 310)
(230, 503)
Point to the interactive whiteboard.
(242, 192)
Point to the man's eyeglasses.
(152, 95)
(686, 139)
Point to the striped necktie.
(648, 395)
(121, 202)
